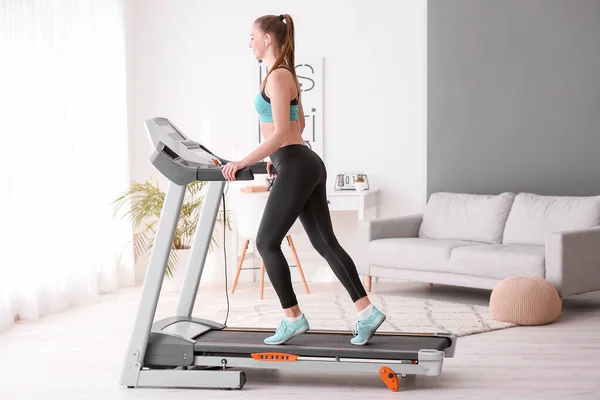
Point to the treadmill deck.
(319, 344)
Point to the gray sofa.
(478, 240)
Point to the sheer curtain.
(63, 155)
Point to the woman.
(300, 188)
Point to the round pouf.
(525, 300)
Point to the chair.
(247, 210)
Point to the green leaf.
(141, 204)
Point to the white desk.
(345, 200)
(350, 200)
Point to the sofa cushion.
(472, 217)
(412, 253)
(498, 261)
(533, 216)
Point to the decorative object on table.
(347, 181)
(525, 300)
(360, 184)
(145, 201)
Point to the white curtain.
(63, 155)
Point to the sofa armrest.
(573, 260)
(395, 227)
(384, 228)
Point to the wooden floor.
(78, 355)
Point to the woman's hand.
(231, 168)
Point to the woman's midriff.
(267, 129)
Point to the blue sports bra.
(262, 104)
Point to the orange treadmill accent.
(281, 357)
(389, 378)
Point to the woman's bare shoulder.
(280, 79)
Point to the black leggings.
(299, 191)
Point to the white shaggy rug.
(337, 312)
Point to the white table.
(366, 202)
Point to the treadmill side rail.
(324, 365)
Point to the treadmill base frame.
(225, 372)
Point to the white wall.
(189, 61)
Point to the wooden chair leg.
(368, 283)
(239, 268)
(262, 278)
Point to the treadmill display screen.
(168, 128)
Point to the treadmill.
(187, 352)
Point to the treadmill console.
(161, 130)
(184, 161)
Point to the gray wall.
(514, 96)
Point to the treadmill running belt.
(385, 346)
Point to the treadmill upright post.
(153, 281)
(200, 243)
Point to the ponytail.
(282, 28)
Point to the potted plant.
(145, 202)
(359, 183)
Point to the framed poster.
(310, 76)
